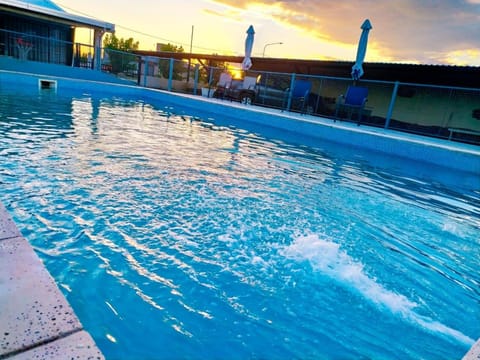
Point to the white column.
(97, 43)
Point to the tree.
(178, 66)
(216, 66)
(171, 48)
(118, 52)
(114, 43)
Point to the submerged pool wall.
(448, 154)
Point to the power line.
(163, 39)
(139, 32)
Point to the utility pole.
(190, 58)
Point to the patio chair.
(223, 85)
(299, 95)
(353, 102)
(249, 82)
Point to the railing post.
(318, 95)
(292, 84)
(264, 87)
(392, 104)
(97, 48)
(77, 55)
(98, 58)
(210, 79)
(195, 79)
(145, 70)
(139, 69)
(170, 74)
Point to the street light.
(275, 43)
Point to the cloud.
(462, 57)
(403, 30)
(231, 14)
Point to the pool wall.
(36, 67)
(444, 153)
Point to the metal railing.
(30, 47)
(26, 46)
(437, 111)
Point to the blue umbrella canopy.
(247, 61)
(357, 70)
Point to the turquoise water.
(181, 236)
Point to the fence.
(25, 46)
(444, 112)
(437, 111)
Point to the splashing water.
(326, 257)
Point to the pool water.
(175, 235)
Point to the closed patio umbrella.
(357, 70)
(247, 62)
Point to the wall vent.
(44, 84)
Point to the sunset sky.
(407, 31)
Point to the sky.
(404, 31)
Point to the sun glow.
(311, 31)
(235, 70)
(463, 57)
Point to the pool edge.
(474, 352)
(36, 320)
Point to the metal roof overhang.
(39, 12)
(443, 75)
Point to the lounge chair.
(299, 94)
(249, 83)
(240, 90)
(223, 85)
(353, 102)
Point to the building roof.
(441, 75)
(44, 3)
(47, 9)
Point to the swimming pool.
(176, 235)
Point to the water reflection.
(183, 226)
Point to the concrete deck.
(474, 353)
(36, 321)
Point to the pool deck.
(36, 321)
(474, 353)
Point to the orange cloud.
(402, 30)
(461, 57)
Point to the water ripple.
(222, 240)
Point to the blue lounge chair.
(353, 102)
(300, 92)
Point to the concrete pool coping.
(36, 321)
(474, 352)
(15, 250)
